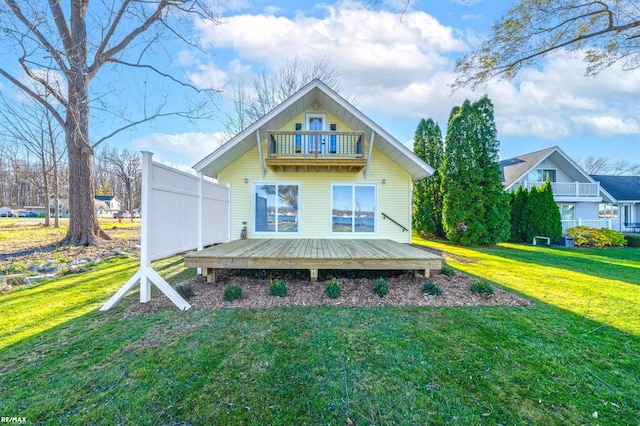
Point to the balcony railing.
(595, 223)
(310, 144)
(569, 189)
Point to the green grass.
(323, 365)
(600, 284)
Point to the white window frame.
(253, 207)
(353, 206)
(542, 170)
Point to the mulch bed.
(404, 290)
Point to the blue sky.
(398, 68)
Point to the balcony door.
(316, 123)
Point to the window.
(542, 175)
(276, 207)
(353, 208)
(607, 211)
(567, 211)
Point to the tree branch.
(41, 38)
(35, 96)
(110, 54)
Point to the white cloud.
(190, 147)
(401, 65)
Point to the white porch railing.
(569, 189)
(596, 223)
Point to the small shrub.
(482, 287)
(447, 270)
(585, 236)
(633, 240)
(17, 268)
(432, 288)
(380, 287)
(232, 292)
(332, 288)
(277, 288)
(186, 291)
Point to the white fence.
(180, 212)
(596, 223)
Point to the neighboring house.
(112, 202)
(316, 167)
(579, 196)
(39, 210)
(63, 205)
(625, 205)
(7, 211)
(102, 208)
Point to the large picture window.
(276, 207)
(353, 208)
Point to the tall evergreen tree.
(518, 219)
(427, 196)
(475, 207)
(542, 215)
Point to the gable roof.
(105, 198)
(515, 168)
(621, 188)
(315, 92)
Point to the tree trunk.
(83, 221)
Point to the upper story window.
(542, 175)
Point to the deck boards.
(313, 254)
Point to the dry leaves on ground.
(404, 290)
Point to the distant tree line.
(29, 178)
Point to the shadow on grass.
(323, 365)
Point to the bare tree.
(269, 89)
(606, 31)
(609, 166)
(62, 51)
(32, 128)
(126, 166)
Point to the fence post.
(145, 260)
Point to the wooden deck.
(312, 254)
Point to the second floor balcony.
(316, 151)
(569, 189)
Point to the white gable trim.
(419, 168)
(565, 156)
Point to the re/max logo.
(13, 420)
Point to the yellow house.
(316, 167)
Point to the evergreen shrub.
(482, 287)
(432, 289)
(332, 288)
(277, 288)
(380, 287)
(186, 291)
(232, 292)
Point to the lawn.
(555, 363)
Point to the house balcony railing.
(315, 150)
(593, 223)
(316, 144)
(569, 189)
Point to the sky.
(397, 67)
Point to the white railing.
(569, 189)
(595, 223)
